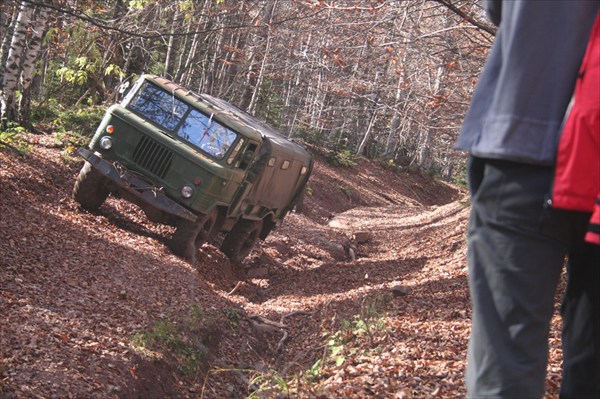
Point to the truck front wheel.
(189, 236)
(91, 188)
(241, 239)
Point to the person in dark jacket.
(517, 242)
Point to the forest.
(386, 79)
(362, 293)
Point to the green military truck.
(195, 162)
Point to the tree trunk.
(261, 72)
(8, 27)
(171, 46)
(396, 119)
(28, 72)
(367, 133)
(254, 71)
(34, 47)
(14, 61)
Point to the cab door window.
(247, 156)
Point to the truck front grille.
(153, 157)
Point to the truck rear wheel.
(91, 188)
(241, 239)
(189, 236)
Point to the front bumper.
(136, 186)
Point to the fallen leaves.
(76, 287)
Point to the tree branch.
(448, 4)
(107, 26)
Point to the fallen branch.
(284, 338)
(237, 286)
(264, 323)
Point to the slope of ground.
(362, 295)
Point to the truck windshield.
(206, 133)
(159, 106)
(169, 112)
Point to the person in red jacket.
(518, 240)
(577, 175)
(577, 189)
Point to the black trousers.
(517, 249)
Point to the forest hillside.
(360, 292)
(363, 294)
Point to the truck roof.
(244, 122)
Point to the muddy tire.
(241, 239)
(189, 236)
(91, 188)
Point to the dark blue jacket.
(525, 87)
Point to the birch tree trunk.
(12, 70)
(31, 56)
(7, 27)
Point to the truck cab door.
(247, 162)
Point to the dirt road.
(362, 295)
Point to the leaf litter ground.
(390, 319)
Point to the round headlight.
(187, 191)
(106, 143)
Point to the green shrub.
(72, 127)
(342, 157)
(46, 111)
(10, 137)
(83, 120)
